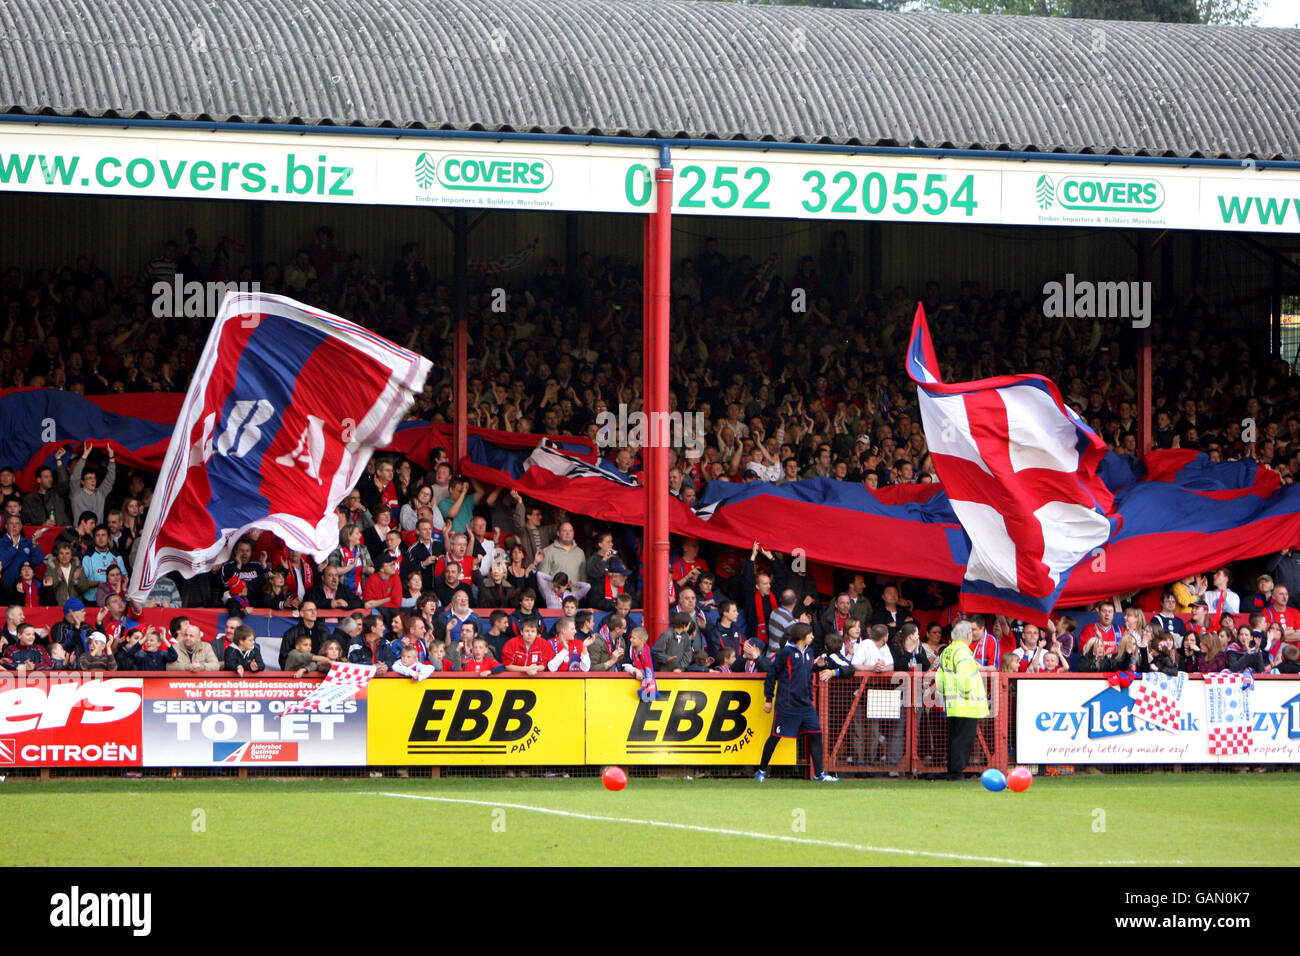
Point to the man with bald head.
(563, 554)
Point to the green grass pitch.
(1159, 819)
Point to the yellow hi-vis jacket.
(960, 682)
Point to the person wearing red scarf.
(28, 588)
(758, 600)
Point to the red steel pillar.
(460, 248)
(656, 323)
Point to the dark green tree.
(1236, 12)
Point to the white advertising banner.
(1085, 720)
(406, 170)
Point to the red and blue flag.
(285, 408)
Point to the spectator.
(1187, 591)
(894, 610)
(351, 558)
(244, 656)
(192, 652)
(1219, 598)
(570, 649)
(481, 661)
(383, 589)
(27, 589)
(47, 505)
(534, 536)
(147, 651)
(457, 615)
(97, 562)
(15, 549)
(1290, 661)
(331, 593)
(556, 590)
(308, 625)
(114, 584)
(562, 555)
(88, 494)
(1167, 619)
(610, 647)
(80, 538)
(1103, 628)
(302, 661)
(275, 594)
(25, 655)
(1246, 651)
(409, 664)
(64, 577)
(675, 648)
(112, 618)
(1285, 571)
(1213, 656)
(72, 633)
(526, 654)
(1280, 611)
(251, 574)
(906, 650)
(97, 656)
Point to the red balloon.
(614, 778)
(1125, 679)
(1019, 779)
(1112, 680)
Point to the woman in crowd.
(1095, 659)
(275, 595)
(1162, 655)
(496, 591)
(933, 645)
(1247, 651)
(352, 557)
(520, 573)
(414, 585)
(1214, 646)
(1189, 654)
(410, 515)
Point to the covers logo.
(8, 750)
(424, 171)
(1046, 192)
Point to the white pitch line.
(834, 844)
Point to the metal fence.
(895, 723)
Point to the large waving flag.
(285, 408)
(1020, 470)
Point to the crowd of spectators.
(786, 395)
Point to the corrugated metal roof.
(664, 68)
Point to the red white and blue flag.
(285, 408)
(1020, 470)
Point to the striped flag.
(286, 406)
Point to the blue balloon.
(995, 781)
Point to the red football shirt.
(376, 587)
(466, 567)
(1288, 617)
(1109, 636)
(472, 666)
(539, 652)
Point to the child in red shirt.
(480, 661)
